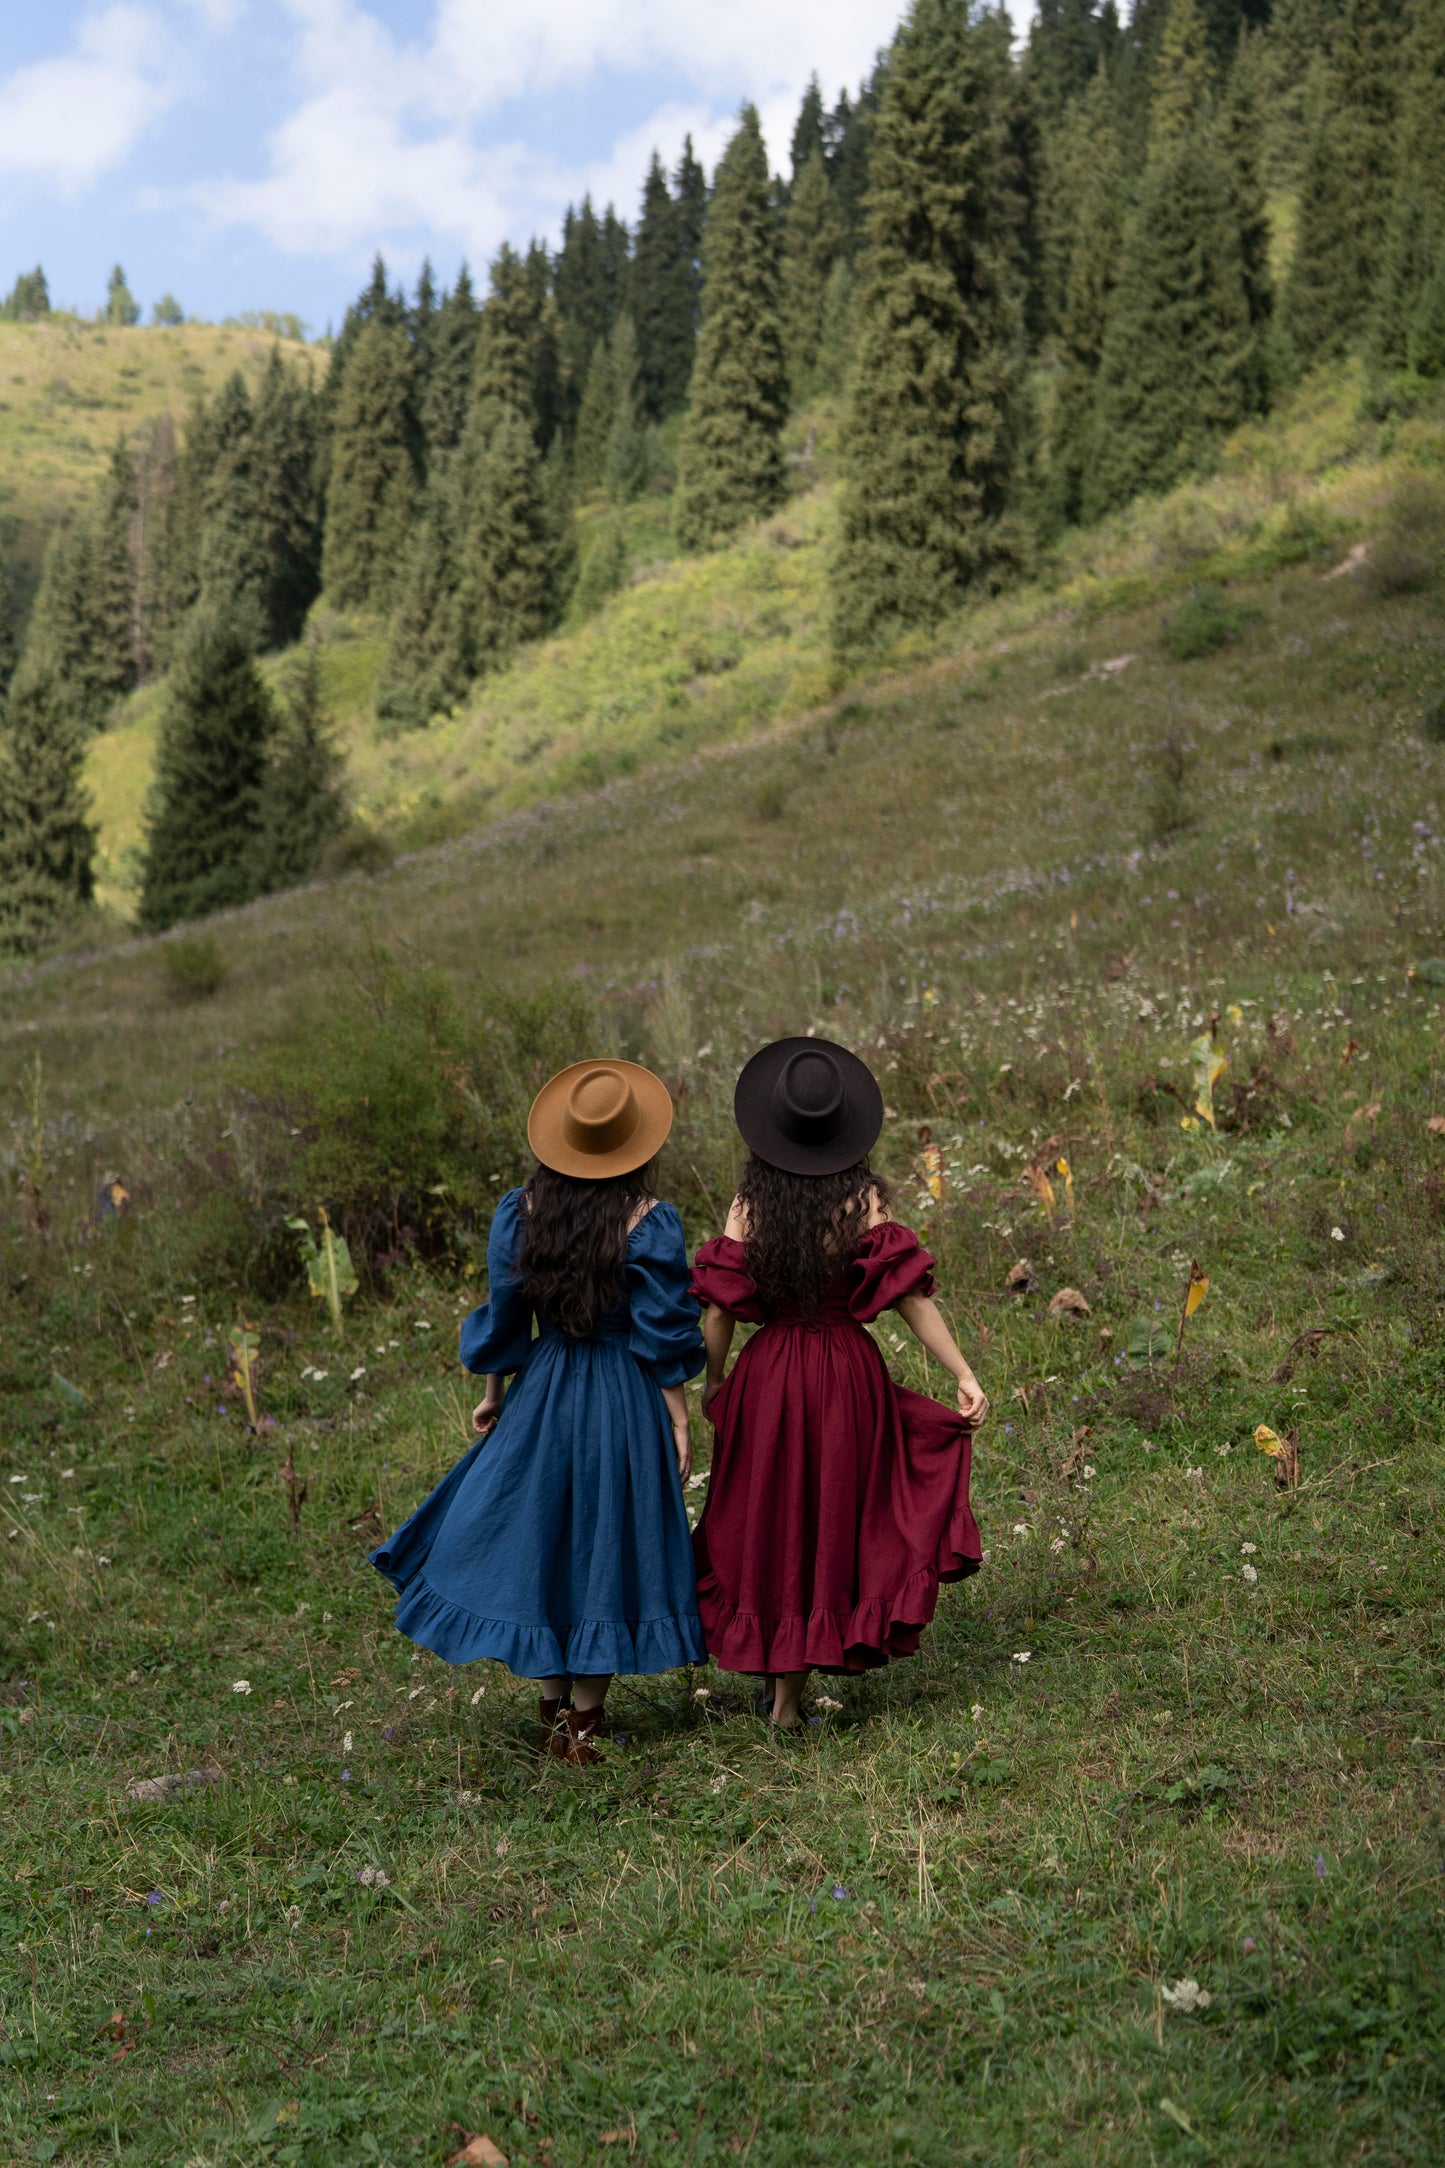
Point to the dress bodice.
(888, 1264)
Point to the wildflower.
(976, 1712)
(1089, 1472)
(423, 1324)
(1221, 1450)
(1057, 1545)
(702, 1693)
(373, 1878)
(719, 1783)
(501, 1848)
(1021, 1528)
(224, 1905)
(240, 1686)
(1021, 1656)
(346, 1776)
(1197, 1473)
(358, 1372)
(1248, 1946)
(826, 1701)
(1187, 1995)
(154, 1897)
(1248, 1549)
(1337, 1234)
(1320, 1869)
(475, 1698)
(1250, 1574)
(469, 1799)
(346, 1743)
(838, 1894)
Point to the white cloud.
(72, 119)
(397, 143)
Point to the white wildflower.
(1250, 1574)
(1248, 1549)
(1337, 1234)
(240, 1686)
(1187, 1995)
(976, 1712)
(1089, 1471)
(719, 1783)
(478, 1695)
(1057, 1545)
(501, 1848)
(1021, 1656)
(358, 1372)
(346, 1742)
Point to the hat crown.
(808, 1097)
(600, 1113)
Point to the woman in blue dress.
(559, 1543)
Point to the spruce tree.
(234, 566)
(1179, 95)
(616, 249)
(453, 369)
(303, 803)
(1068, 43)
(422, 326)
(174, 477)
(730, 466)
(510, 585)
(835, 337)
(1179, 359)
(933, 435)
(809, 134)
(812, 244)
(662, 299)
(594, 422)
(82, 635)
(630, 442)
(689, 190)
(1413, 253)
(205, 821)
(287, 428)
(1239, 141)
(580, 287)
(505, 373)
(47, 845)
(429, 658)
(121, 306)
(28, 298)
(1093, 274)
(1347, 186)
(372, 487)
(1084, 145)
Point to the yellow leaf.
(1268, 1441)
(1198, 1289)
(1235, 1013)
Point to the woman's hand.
(972, 1400)
(710, 1389)
(484, 1415)
(682, 1446)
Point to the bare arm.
(920, 1313)
(681, 1433)
(489, 1407)
(717, 1338)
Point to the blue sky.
(252, 154)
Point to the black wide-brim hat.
(808, 1107)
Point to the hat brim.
(853, 1140)
(548, 1138)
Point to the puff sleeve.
(889, 1263)
(720, 1275)
(663, 1331)
(498, 1336)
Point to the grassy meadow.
(1140, 1860)
(70, 389)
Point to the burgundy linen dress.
(838, 1500)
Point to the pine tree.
(1180, 93)
(1068, 44)
(422, 326)
(372, 488)
(205, 820)
(174, 478)
(505, 374)
(934, 430)
(1179, 360)
(1093, 274)
(510, 572)
(689, 190)
(604, 568)
(1239, 141)
(580, 286)
(594, 422)
(121, 306)
(1347, 187)
(812, 244)
(730, 466)
(1084, 144)
(809, 133)
(662, 299)
(453, 369)
(234, 567)
(47, 845)
(849, 137)
(835, 337)
(429, 654)
(1413, 254)
(616, 244)
(303, 803)
(82, 636)
(629, 448)
(28, 298)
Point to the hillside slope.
(68, 389)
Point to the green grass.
(1023, 885)
(70, 389)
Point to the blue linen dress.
(560, 1543)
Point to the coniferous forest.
(1039, 281)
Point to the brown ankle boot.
(572, 1740)
(552, 1714)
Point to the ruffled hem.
(593, 1646)
(874, 1633)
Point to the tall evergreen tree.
(689, 189)
(616, 244)
(629, 450)
(510, 572)
(372, 488)
(1180, 93)
(508, 340)
(1179, 359)
(234, 564)
(580, 286)
(303, 803)
(1069, 41)
(1348, 185)
(1413, 253)
(453, 369)
(849, 134)
(835, 336)
(1239, 141)
(121, 306)
(47, 845)
(174, 477)
(809, 130)
(1083, 145)
(730, 467)
(29, 297)
(933, 436)
(429, 654)
(375, 304)
(812, 244)
(547, 399)
(662, 298)
(422, 325)
(205, 827)
(1093, 274)
(82, 636)
(594, 421)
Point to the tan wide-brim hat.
(597, 1118)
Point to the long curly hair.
(802, 1229)
(574, 1246)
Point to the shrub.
(1206, 620)
(404, 1113)
(1409, 553)
(192, 968)
(358, 849)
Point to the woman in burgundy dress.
(838, 1501)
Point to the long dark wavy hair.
(574, 1246)
(803, 1228)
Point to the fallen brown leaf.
(1021, 1279)
(1436, 1125)
(1068, 1302)
(478, 2152)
